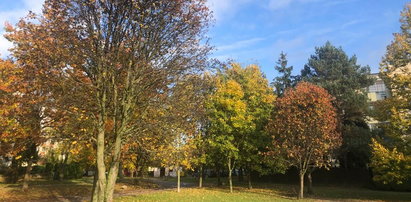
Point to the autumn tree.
(12, 134)
(238, 110)
(258, 97)
(304, 128)
(10, 129)
(185, 115)
(126, 53)
(227, 121)
(395, 70)
(391, 168)
(23, 122)
(332, 69)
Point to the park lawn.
(67, 190)
(270, 192)
(40, 189)
(207, 194)
(157, 189)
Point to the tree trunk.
(249, 178)
(230, 180)
(310, 183)
(200, 177)
(120, 171)
(113, 172)
(101, 168)
(218, 177)
(111, 182)
(240, 175)
(94, 192)
(178, 178)
(301, 194)
(27, 175)
(346, 161)
(62, 167)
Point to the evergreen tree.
(344, 79)
(281, 83)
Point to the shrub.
(391, 168)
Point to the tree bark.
(94, 192)
(113, 171)
(101, 168)
(120, 171)
(310, 182)
(200, 177)
(301, 193)
(249, 178)
(27, 175)
(62, 167)
(240, 175)
(218, 177)
(178, 178)
(230, 180)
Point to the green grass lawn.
(205, 194)
(242, 194)
(267, 192)
(157, 189)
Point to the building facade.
(376, 92)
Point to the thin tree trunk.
(178, 178)
(200, 177)
(120, 171)
(94, 192)
(240, 175)
(301, 194)
(27, 175)
(62, 167)
(249, 178)
(310, 182)
(230, 180)
(13, 171)
(218, 177)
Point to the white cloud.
(240, 44)
(225, 9)
(278, 4)
(12, 16)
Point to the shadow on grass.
(321, 191)
(44, 190)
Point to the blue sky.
(256, 31)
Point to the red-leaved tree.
(304, 128)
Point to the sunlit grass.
(153, 189)
(207, 194)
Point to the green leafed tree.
(228, 120)
(259, 99)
